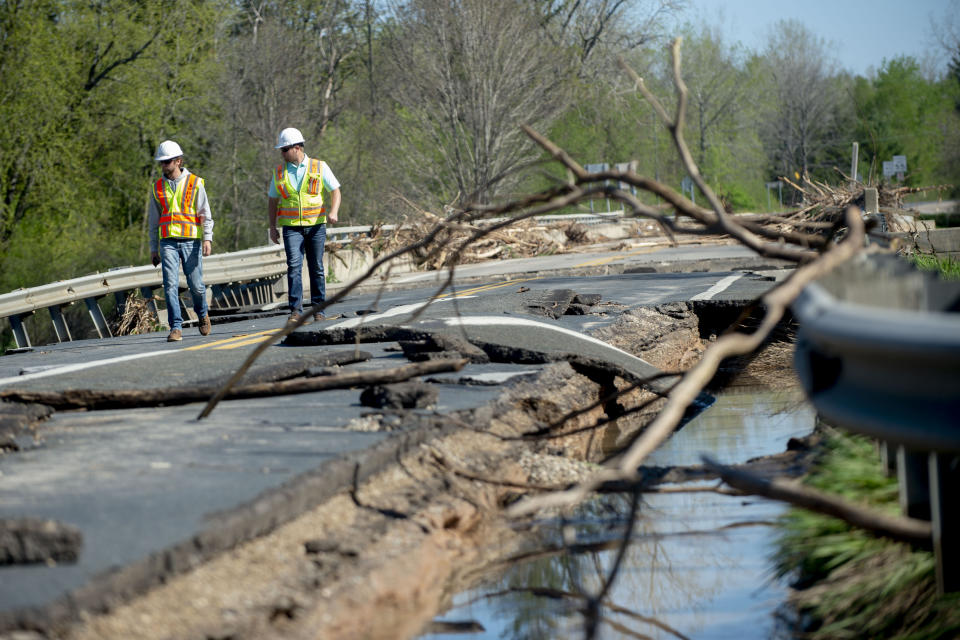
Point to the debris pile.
(463, 243)
(136, 317)
(826, 204)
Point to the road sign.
(596, 168)
(899, 164)
(888, 169)
(624, 167)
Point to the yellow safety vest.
(178, 213)
(303, 208)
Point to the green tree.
(902, 113)
(89, 89)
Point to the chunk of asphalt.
(552, 303)
(588, 299)
(351, 335)
(16, 423)
(38, 541)
(578, 309)
(437, 346)
(402, 395)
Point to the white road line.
(80, 366)
(500, 321)
(399, 310)
(717, 288)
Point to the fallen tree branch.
(130, 398)
(909, 530)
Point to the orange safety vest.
(178, 213)
(303, 208)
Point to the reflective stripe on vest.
(303, 207)
(178, 214)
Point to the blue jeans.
(298, 241)
(173, 253)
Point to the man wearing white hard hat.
(181, 231)
(298, 203)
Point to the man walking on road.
(179, 217)
(296, 203)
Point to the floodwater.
(699, 566)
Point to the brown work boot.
(293, 318)
(318, 316)
(175, 336)
(205, 325)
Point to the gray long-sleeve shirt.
(203, 209)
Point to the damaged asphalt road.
(154, 492)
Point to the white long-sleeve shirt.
(203, 209)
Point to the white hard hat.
(288, 137)
(168, 149)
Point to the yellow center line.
(486, 287)
(600, 261)
(245, 338)
(245, 343)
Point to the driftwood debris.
(524, 239)
(124, 398)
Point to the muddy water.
(699, 565)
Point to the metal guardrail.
(239, 277)
(878, 353)
(236, 278)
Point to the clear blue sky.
(863, 32)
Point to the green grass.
(852, 584)
(948, 268)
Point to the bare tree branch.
(903, 529)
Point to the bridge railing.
(238, 278)
(878, 353)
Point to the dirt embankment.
(382, 560)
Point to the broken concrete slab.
(38, 541)
(441, 345)
(403, 395)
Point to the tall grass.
(849, 584)
(948, 268)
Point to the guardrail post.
(914, 480)
(221, 293)
(20, 331)
(888, 457)
(99, 322)
(186, 307)
(871, 201)
(944, 485)
(871, 207)
(59, 324)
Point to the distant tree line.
(415, 104)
